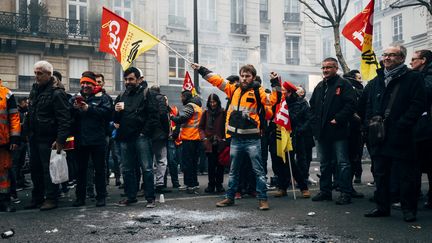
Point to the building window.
(327, 45)
(238, 17)
(378, 5)
(177, 66)
(25, 71)
(377, 36)
(123, 8)
(264, 10)
(292, 50)
(77, 14)
(264, 48)
(292, 11)
(238, 59)
(176, 15)
(207, 15)
(397, 27)
(208, 58)
(76, 67)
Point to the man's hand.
(84, 106)
(119, 106)
(333, 122)
(274, 75)
(13, 147)
(195, 66)
(116, 125)
(57, 146)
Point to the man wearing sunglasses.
(396, 96)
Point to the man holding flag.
(359, 31)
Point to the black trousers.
(190, 156)
(97, 155)
(215, 170)
(408, 170)
(43, 187)
(356, 151)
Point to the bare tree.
(333, 17)
(404, 4)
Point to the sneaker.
(48, 205)
(343, 199)
(237, 195)
(15, 199)
(192, 190)
(126, 202)
(151, 204)
(182, 188)
(306, 194)
(263, 205)
(396, 206)
(311, 181)
(321, 197)
(225, 203)
(281, 193)
(371, 184)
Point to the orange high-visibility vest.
(189, 130)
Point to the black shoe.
(321, 197)
(343, 199)
(357, 180)
(127, 202)
(7, 207)
(33, 205)
(78, 203)
(375, 213)
(409, 217)
(210, 189)
(176, 185)
(100, 202)
(356, 194)
(48, 204)
(220, 189)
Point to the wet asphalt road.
(194, 218)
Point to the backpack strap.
(260, 108)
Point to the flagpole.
(292, 178)
(176, 52)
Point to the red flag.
(188, 84)
(282, 115)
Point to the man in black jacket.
(92, 110)
(137, 116)
(332, 105)
(48, 123)
(397, 147)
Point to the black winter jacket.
(423, 128)
(300, 115)
(89, 126)
(49, 116)
(339, 104)
(408, 105)
(139, 117)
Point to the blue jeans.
(252, 148)
(135, 154)
(336, 151)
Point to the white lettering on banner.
(114, 39)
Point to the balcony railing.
(292, 17)
(177, 21)
(50, 27)
(238, 28)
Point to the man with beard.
(92, 110)
(397, 98)
(137, 116)
(48, 123)
(244, 126)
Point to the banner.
(359, 31)
(188, 84)
(122, 39)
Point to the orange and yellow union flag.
(359, 31)
(122, 39)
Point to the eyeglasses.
(327, 67)
(415, 58)
(39, 73)
(390, 55)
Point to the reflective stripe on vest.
(243, 131)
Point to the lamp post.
(196, 78)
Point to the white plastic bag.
(58, 167)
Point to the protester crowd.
(147, 138)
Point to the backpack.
(159, 100)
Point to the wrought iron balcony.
(48, 27)
(238, 28)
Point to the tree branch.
(315, 12)
(325, 8)
(315, 22)
(345, 9)
(335, 10)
